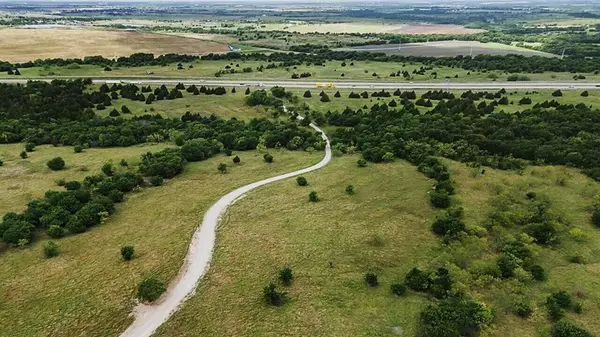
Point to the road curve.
(149, 317)
(390, 85)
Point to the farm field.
(383, 228)
(88, 287)
(370, 27)
(449, 48)
(21, 45)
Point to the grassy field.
(339, 104)
(383, 228)
(477, 194)
(331, 71)
(450, 48)
(88, 287)
(23, 180)
(21, 45)
(370, 27)
(227, 106)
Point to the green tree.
(78, 149)
(30, 147)
(56, 164)
(268, 158)
(150, 289)
(350, 189)
(236, 160)
(371, 280)
(50, 249)
(156, 180)
(23, 155)
(56, 232)
(361, 163)
(127, 252)
(301, 181)
(312, 196)
(286, 276)
(222, 167)
(272, 296)
(108, 169)
(398, 289)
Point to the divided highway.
(529, 85)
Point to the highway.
(526, 85)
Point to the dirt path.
(149, 317)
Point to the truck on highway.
(325, 85)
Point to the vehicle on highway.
(325, 85)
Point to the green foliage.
(156, 180)
(222, 167)
(371, 280)
(350, 189)
(312, 196)
(72, 185)
(166, 163)
(566, 329)
(56, 232)
(78, 149)
(268, 158)
(398, 289)
(454, 317)
(596, 218)
(56, 164)
(108, 169)
(439, 199)
(127, 252)
(557, 93)
(523, 309)
(361, 163)
(30, 147)
(50, 249)
(417, 280)
(538, 273)
(23, 155)
(150, 289)
(301, 181)
(286, 276)
(272, 296)
(14, 229)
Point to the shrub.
(1, 162)
(371, 280)
(566, 329)
(557, 93)
(454, 317)
(72, 185)
(156, 180)
(585, 94)
(50, 249)
(123, 163)
(166, 163)
(23, 154)
(350, 189)
(417, 280)
(61, 182)
(398, 289)
(236, 160)
(596, 218)
(301, 181)
(286, 276)
(17, 230)
(523, 310)
(272, 296)
(307, 94)
(228, 152)
(361, 163)
(108, 169)
(78, 148)
(127, 252)
(312, 196)
(537, 272)
(114, 113)
(268, 158)
(439, 199)
(56, 232)
(150, 289)
(30, 147)
(222, 167)
(56, 164)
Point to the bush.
(72, 185)
(272, 296)
(307, 94)
(557, 93)
(361, 163)
(150, 289)
(301, 181)
(23, 154)
(523, 310)
(156, 180)
(56, 164)
(50, 249)
(371, 280)
(236, 160)
(350, 189)
(127, 252)
(166, 163)
(454, 317)
(312, 196)
(596, 218)
(537, 272)
(585, 94)
(268, 158)
(417, 280)
(398, 289)
(56, 232)
(114, 113)
(1, 162)
(16, 230)
(566, 329)
(439, 199)
(30, 147)
(78, 148)
(228, 152)
(286, 276)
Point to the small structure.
(149, 72)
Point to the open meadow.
(22, 45)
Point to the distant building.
(149, 72)
(234, 48)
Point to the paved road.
(149, 317)
(529, 85)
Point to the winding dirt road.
(149, 317)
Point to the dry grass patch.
(21, 45)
